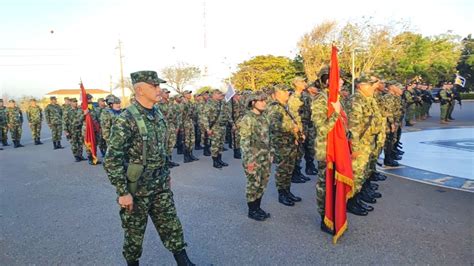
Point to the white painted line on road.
(468, 185)
(441, 180)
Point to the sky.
(53, 44)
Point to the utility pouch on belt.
(134, 171)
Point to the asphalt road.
(56, 211)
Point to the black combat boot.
(362, 204)
(298, 170)
(77, 158)
(325, 228)
(182, 258)
(59, 145)
(19, 144)
(5, 143)
(215, 163)
(366, 197)
(237, 154)
(186, 157)
(254, 213)
(353, 208)
(310, 168)
(292, 197)
(295, 178)
(262, 212)
(133, 263)
(36, 141)
(15, 145)
(391, 163)
(207, 150)
(372, 193)
(55, 145)
(191, 156)
(39, 142)
(283, 198)
(170, 160)
(397, 157)
(408, 124)
(197, 145)
(219, 157)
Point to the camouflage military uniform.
(3, 125)
(445, 101)
(392, 112)
(237, 111)
(363, 128)
(53, 114)
(107, 118)
(72, 124)
(283, 144)
(35, 117)
(171, 113)
(382, 111)
(100, 138)
(14, 122)
(323, 124)
(309, 131)
(410, 105)
(94, 113)
(153, 196)
(215, 118)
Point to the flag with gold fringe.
(89, 138)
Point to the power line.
(36, 55)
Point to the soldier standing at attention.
(72, 125)
(284, 132)
(310, 131)
(14, 122)
(101, 141)
(188, 127)
(215, 120)
(136, 165)
(95, 125)
(108, 116)
(409, 96)
(237, 112)
(53, 114)
(444, 102)
(204, 136)
(256, 157)
(34, 115)
(3, 124)
(170, 112)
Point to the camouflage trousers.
(257, 179)
(101, 143)
(15, 132)
(379, 143)
(189, 135)
(308, 145)
(172, 136)
(35, 130)
(235, 139)
(285, 158)
(321, 187)
(76, 142)
(56, 131)
(359, 164)
(161, 209)
(450, 109)
(418, 111)
(444, 111)
(426, 108)
(217, 140)
(410, 113)
(4, 133)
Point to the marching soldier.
(256, 157)
(34, 115)
(53, 114)
(137, 147)
(3, 124)
(284, 135)
(14, 122)
(72, 125)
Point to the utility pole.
(110, 84)
(122, 83)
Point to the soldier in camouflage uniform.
(14, 122)
(256, 158)
(323, 125)
(171, 114)
(94, 113)
(188, 127)
(3, 124)
(101, 141)
(309, 129)
(179, 101)
(145, 189)
(393, 114)
(108, 116)
(34, 114)
(72, 125)
(237, 111)
(215, 120)
(198, 104)
(444, 103)
(409, 96)
(284, 132)
(53, 114)
(204, 136)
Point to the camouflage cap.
(257, 96)
(148, 76)
(66, 98)
(52, 98)
(100, 100)
(394, 83)
(74, 100)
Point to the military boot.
(207, 150)
(39, 142)
(302, 176)
(237, 154)
(362, 204)
(254, 213)
(372, 193)
(353, 208)
(262, 212)
(219, 157)
(191, 156)
(391, 163)
(15, 145)
(182, 258)
(283, 198)
(292, 197)
(186, 157)
(5, 143)
(133, 263)
(366, 197)
(215, 163)
(295, 178)
(59, 145)
(310, 168)
(77, 158)
(35, 141)
(18, 144)
(325, 228)
(55, 145)
(170, 160)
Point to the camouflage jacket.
(362, 120)
(34, 114)
(254, 138)
(295, 104)
(171, 113)
(107, 118)
(237, 110)
(70, 122)
(187, 112)
(3, 116)
(125, 146)
(281, 126)
(215, 114)
(322, 123)
(53, 114)
(307, 99)
(66, 108)
(409, 97)
(392, 110)
(14, 116)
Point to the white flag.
(230, 92)
(460, 80)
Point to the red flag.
(89, 139)
(339, 177)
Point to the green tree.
(465, 64)
(262, 71)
